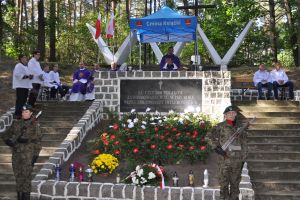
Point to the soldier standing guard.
(24, 138)
(230, 161)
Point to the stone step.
(63, 104)
(277, 185)
(45, 143)
(259, 146)
(64, 113)
(47, 118)
(7, 186)
(45, 150)
(277, 195)
(58, 124)
(273, 139)
(263, 103)
(53, 136)
(274, 164)
(274, 155)
(269, 109)
(61, 130)
(7, 158)
(274, 126)
(278, 120)
(7, 166)
(274, 132)
(269, 114)
(282, 174)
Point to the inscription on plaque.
(160, 95)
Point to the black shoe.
(20, 195)
(26, 196)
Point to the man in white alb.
(21, 83)
(34, 68)
(55, 79)
(262, 79)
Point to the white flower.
(148, 109)
(129, 120)
(143, 180)
(152, 119)
(137, 168)
(140, 172)
(187, 117)
(151, 175)
(124, 125)
(143, 127)
(156, 112)
(132, 110)
(175, 118)
(171, 111)
(143, 122)
(135, 180)
(153, 123)
(131, 125)
(135, 120)
(180, 120)
(159, 121)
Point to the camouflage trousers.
(229, 176)
(22, 167)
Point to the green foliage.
(286, 58)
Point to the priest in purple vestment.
(81, 77)
(170, 62)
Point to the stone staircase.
(56, 121)
(274, 148)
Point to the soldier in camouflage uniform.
(230, 162)
(25, 139)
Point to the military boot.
(20, 195)
(26, 196)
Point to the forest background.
(57, 28)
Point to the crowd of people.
(272, 80)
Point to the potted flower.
(104, 164)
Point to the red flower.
(142, 132)
(194, 136)
(152, 146)
(112, 137)
(202, 148)
(178, 134)
(170, 146)
(203, 139)
(156, 134)
(174, 129)
(116, 142)
(202, 124)
(188, 134)
(130, 140)
(147, 140)
(156, 129)
(117, 152)
(195, 132)
(97, 152)
(167, 133)
(103, 136)
(105, 142)
(115, 126)
(126, 129)
(162, 137)
(135, 150)
(192, 148)
(170, 140)
(181, 146)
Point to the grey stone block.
(83, 189)
(190, 74)
(34, 186)
(47, 187)
(115, 82)
(107, 82)
(113, 74)
(139, 74)
(111, 89)
(216, 74)
(156, 74)
(71, 188)
(166, 74)
(99, 96)
(107, 96)
(43, 197)
(162, 194)
(174, 74)
(97, 89)
(2, 125)
(115, 103)
(60, 188)
(115, 96)
(208, 194)
(130, 74)
(106, 190)
(129, 191)
(182, 74)
(149, 192)
(198, 193)
(104, 89)
(118, 191)
(104, 75)
(121, 74)
(147, 74)
(98, 82)
(94, 190)
(175, 193)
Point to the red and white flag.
(110, 27)
(98, 27)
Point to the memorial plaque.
(160, 95)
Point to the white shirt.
(261, 76)
(34, 68)
(19, 72)
(279, 75)
(54, 77)
(47, 81)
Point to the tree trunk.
(1, 29)
(69, 9)
(52, 23)
(273, 35)
(185, 3)
(292, 32)
(20, 16)
(80, 10)
(26, 15)
(41, 29)
(74, 13)
(32, 14)
(298, 39)
(128, 10)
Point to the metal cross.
(197, 6)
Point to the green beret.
(228, 109)
(27, 107)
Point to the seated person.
(55, 79)
(262, 79)
(123, 67)
(81, 77)
(169, 62)
(114, 67)
(280, 79)
(46, 76)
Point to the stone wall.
(215, 87)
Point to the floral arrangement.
(104, 163)
(140, 138)
(150, 174)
